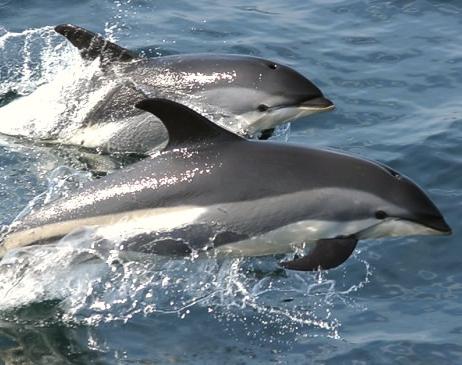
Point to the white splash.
(48, 73)
(96, 284)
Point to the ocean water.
(394, 70)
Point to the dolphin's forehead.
(213, 63)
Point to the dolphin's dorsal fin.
(326, 254)
(184, 125)
(92, 45)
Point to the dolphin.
(210, 191)
(247, 95)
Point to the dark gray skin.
(247, 171)
(249, 188)
(247, 95)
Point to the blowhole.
(396, 175)
(273, 66)
(393, 173)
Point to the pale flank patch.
(111, 226)
(150, 220)
(96, 135)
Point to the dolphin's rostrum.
(213, 192)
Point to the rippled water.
(394, 70)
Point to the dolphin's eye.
(273, 66)
(380, 214)
(262, 108)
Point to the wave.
(45, 75)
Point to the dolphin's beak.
(319, 103)
(435, 222)
(423, 211)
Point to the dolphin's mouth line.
(439, 225)
(319, 104)
(317, 108)
(440, 228)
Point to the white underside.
(256, 121)
(286, 238)
(96, 135)
(395, 228)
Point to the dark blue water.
(394, 70)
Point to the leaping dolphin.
(245, 94)
(212, 191)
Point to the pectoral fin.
(326, 254)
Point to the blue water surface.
(394, 70)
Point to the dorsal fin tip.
(92, 45)
(183, 124)
(67, 27)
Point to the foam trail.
(47, 71)
(31, 58)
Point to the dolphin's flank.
(212, 192)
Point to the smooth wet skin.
(255, 91)
(247, 95)
(212, 190)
